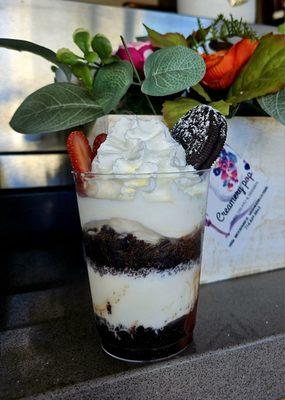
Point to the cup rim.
(91, 174)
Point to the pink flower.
(139, 52)
(224, 175)
(233, 176)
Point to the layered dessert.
(142, 208)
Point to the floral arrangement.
(225, 65)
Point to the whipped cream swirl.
(136, 150)
(139, 146)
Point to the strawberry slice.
(79, 152)
(99, 139)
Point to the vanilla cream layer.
(172, 219)
(151, 301)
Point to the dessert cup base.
(146, 355)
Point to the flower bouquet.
(225, 65)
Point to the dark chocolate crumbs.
(147, 343)
(113, 252)
(109, 308)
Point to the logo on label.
(235, 194)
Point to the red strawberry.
(97, 143)
(79, 152)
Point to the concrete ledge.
(251, 371)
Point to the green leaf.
(165, 40)
(91, 57)
(222, 106)
(196, 38)
(66, 56)
(55, 107)
(264, 73)
(201, 91)
(81, 38)
(274, 105)
(102, 45)
(172, 110)
(111, 60)
(281, 28)
(83, 72)
(24, 45)
(172, 70)
(111, 84)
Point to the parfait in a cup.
(142, 208)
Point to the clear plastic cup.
(142, 236)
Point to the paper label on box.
(236, 197)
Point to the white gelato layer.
(152, 301)
(174, 219)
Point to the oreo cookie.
(202, 132)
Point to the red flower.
(139, 51)
(223, 67)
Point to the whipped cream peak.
(138, 145)
(139, 158)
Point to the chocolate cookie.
(202, 132)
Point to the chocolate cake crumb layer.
(126, 253)
(146, 344)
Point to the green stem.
(137, 74)
(204, 48)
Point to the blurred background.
(261, 11)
